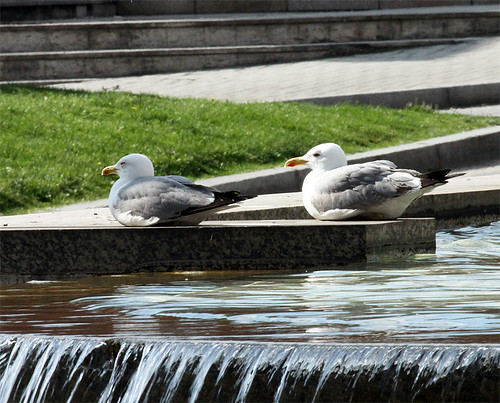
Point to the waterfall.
(38, 369)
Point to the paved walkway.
(486, 110)
(470, 63)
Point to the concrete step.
(86, 243)
(244, 30)
(111, 49)
(39, 10)
(31, 67)
(257, 235)
(456, 151)
(462, 201)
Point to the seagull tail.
(222, 199)
(438, 177)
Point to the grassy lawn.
(54, 144)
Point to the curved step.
(16, 67)
(244, 30)
(38, 10)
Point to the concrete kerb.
(463, 201)
(445, 97)
(454, 152)
(61, 252)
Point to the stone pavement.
(485, 110)
(464, 65)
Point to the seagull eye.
(316, 154)
(122, 163)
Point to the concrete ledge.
(259, 29)
(63, 252)
(21, 10)
(85, 49)
(444, 97)
(49, 3)
(455, 151)
(463, 201)
(37, 67)
(36, 10)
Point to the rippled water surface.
(453, 296)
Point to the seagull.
(140, 199)
(334, 190)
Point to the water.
(452, 296)
(36, 369)
(382, 331)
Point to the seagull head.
(323, 157)
(131, 166)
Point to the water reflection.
(451, 296)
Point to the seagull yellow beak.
(109, 170)
(295, 161)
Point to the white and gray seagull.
(140, 199)
(334, 190)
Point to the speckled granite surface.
(50, 253)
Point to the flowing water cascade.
(421, 329)
(37, 369)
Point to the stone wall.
(22, 10)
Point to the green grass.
(54, 144)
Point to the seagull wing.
(362, 186)
(162, 197)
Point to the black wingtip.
(233, 196)
(221, 199)
(437, 177)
